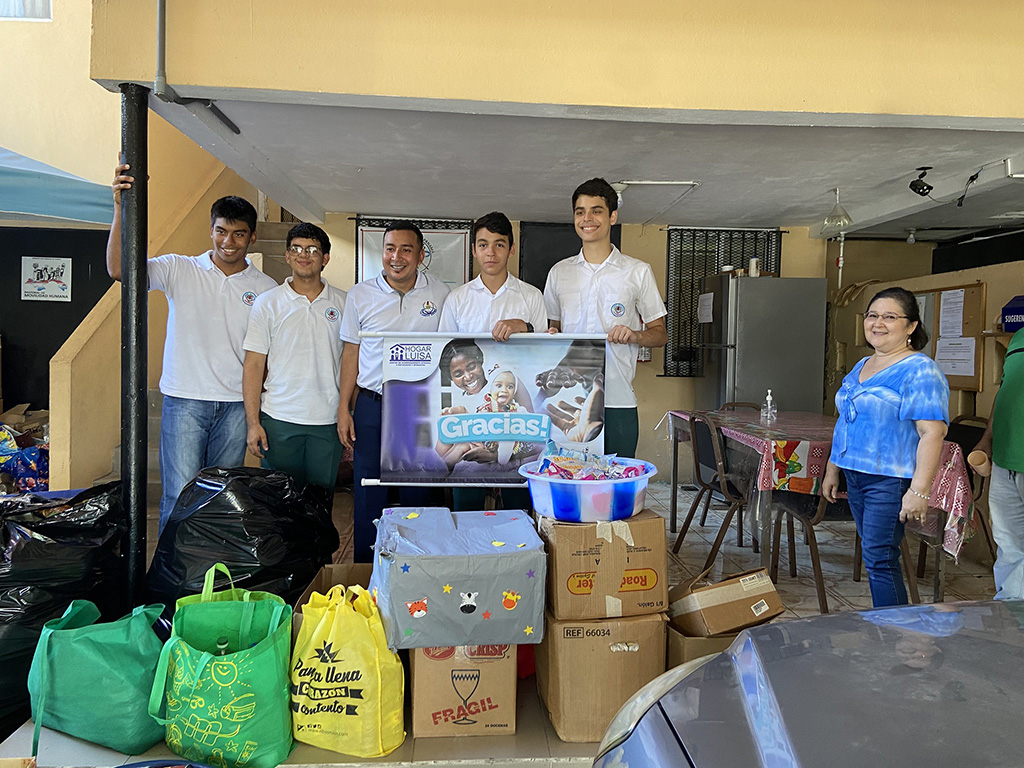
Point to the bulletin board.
(954, 318)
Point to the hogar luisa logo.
(409, 353)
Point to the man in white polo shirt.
(202, 423)
(601, 290)
(293, 339)
(400, 298)
(497, 303)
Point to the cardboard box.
(446, 578)
(17, 762)
(741, 601)
(682, 648)
(463, 691)
(606, 570)
(26, 422)
(347, 574)
(586, 670)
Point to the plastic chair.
(965, 431)
(732, 406)
(707, 442)
(705, 476)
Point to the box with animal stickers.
(445, 578)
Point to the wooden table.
(792, 454)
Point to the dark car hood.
(929, 685)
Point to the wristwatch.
(529, 327)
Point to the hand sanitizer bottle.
(769, 411)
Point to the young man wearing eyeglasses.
(293, 339)
(202, 422)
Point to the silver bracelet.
(920, 495)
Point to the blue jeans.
(195, 434)
(875, 501)
(370, 500)
(1006, 507)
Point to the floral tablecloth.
(794, 453)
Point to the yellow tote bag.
(347, 688)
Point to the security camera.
(919, 185)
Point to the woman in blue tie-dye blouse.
(893, 411)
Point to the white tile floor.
(964, 581)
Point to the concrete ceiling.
(315, 155)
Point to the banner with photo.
(445, 243)
(471, 411)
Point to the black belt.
(371, 394)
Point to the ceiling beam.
(198, 123)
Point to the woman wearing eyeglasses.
(893, 411)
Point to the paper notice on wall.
(955, 356)
(704, 311)
(951, 315)
(45, 279)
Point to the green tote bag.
(226, 708)
(92, 680)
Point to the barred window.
(694, 254)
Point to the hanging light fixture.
(837, 221)
(835, 225)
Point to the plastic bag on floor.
(29, 468)
(271, 534)
(53, 552)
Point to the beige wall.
(802, 255)
(877, 260)
(341, 270)
(85, 397)
(790, 55)
(50, 110)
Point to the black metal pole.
(134, 331)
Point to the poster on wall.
(445, 242)
(471, 411)
(45, 279)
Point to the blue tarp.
(34, 191)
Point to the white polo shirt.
(588, 298)
(206, 322)
(373, 305)
(472, 308)
(300, 339)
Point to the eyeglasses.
(886, 318)
(309, 250)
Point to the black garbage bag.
(53, 552)
(273, 535)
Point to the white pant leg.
(1006, 505)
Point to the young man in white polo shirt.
(293, 339)
(497, 303)
(601, 290)
(202, 423)
(400, 298)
